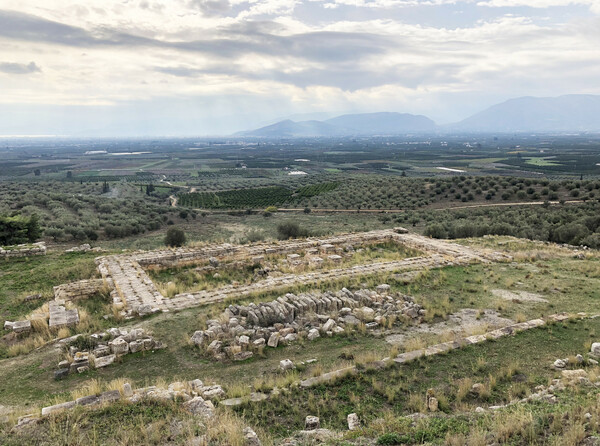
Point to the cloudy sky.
(197, 67)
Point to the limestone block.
(313, 334)
(58, 407)
(328, 326)
(198, 406)
(101, 350)
(119, 346)
(21, 326)
(258, 342)
(274, 340)
(292, 337)
(213, 392)
(136, 346)
(244, 341)
(250, 437)
(353, 422)
(127, 390)
(242, 356)
(596, 348)
(8, 325)
(285, 365)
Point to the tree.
(37, 172)
(105, 187)
(174, 237)
(19, 229)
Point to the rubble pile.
(104, 349)
(308, 315)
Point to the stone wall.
(25, 250)
(81, 289)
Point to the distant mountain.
(384, 123)
(347, 125)
(527, 114)
(291, 129)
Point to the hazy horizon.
(194, 67)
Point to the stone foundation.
(25, 250)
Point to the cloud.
(211, 7)
(18, 68)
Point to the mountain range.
(525, 114)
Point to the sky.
(212, 67)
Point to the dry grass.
(413, 344)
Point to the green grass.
(31, 275)
(375, 392)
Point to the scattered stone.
(250, 437)
(432, 404)
(353, 422)
(127, 390)
(242, 356)
(199, 406)
(313, 334)
(596, 348)
(285, 365)
(312, 423)
(274, 340)
(560, 363)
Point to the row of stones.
(226, 250)
(110, 344)
(442, 348)
(178, 391)
(307, 315)
(25, 250)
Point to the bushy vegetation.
(289, 230)
(575, 225)
(75, 211)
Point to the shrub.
(289, 230)
(436, 230)
(174, 237)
